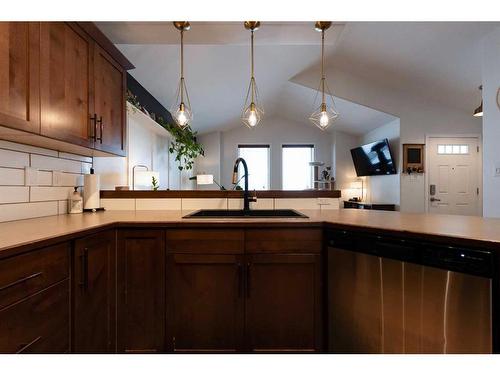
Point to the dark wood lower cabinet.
(94, 285)
(205, 303)
(141, 291)
(283, 304)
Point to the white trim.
(479, 167)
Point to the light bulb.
(323, 120)
(181, 118)
(252, 118)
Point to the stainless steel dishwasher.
(393, 295)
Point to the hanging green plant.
(185, 145)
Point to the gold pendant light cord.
(323, 66)
(182, 66)
(252, 79)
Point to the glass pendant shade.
(181, 111)
(478, 112)
(324, 113)
(252, 110)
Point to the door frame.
(479, 166)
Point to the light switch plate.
(56, 178)
(30, 176)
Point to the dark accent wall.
(147, 100)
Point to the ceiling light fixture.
(324, 115)
(252, 111)
(181, 111)
(478, 112)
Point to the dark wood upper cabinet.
(65, 83)
(141, 291)
(283, 305)
(19, 75)
(94, 294)
(205, 303)
(109, 98)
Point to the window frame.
(297, 145)
(256, 145)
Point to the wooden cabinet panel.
(109, 90)
(19, 75)
(38, 324)
(283, 306)
(26, 274)
(94, 294)
(65, 79)
(141, 291)
(206, 241)
(284, 240)
(205, 303)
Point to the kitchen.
(311, 208)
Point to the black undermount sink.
(244, 214)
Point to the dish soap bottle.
(76, 202)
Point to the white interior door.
(454, 178)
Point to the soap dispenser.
(76, 202)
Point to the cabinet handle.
(85, 269)
(100, 128)
(240, 279)
(24, 347)
(248, 279)
(24, 279)
(94, 127)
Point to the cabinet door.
(283, 312)
(65, 72)
(19, 77)
(94, 294)
(110, 87)
(141, 291)
(205, 303)
(354, 302)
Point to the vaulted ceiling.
(439, 60)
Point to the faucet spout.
(246, 195)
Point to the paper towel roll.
(91, 191)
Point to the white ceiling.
(439, 60)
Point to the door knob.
(435, 199)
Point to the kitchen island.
(151, 281)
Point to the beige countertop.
(29, 232)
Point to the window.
(453, 149)
(297, 173)
(257, 158)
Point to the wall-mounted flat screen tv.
(373, 159)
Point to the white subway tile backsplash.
(52, 178)
(18, 211)
(118, 204)
(49, 163)
(11, 176)
(296, 203)
(49, 193)
(261, 204)
(158, 204)
(14, 194)
(14, 159)
(190, 204)
(27, 149)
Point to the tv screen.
(373, 159)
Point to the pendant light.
(181, 111)
(324, 115)
(252, 111)
(478, 112)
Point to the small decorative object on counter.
(154, 183)
(75, 202)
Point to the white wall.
(343, 168)
(419, 116)
(491, 124)
(385, 189)
(211, 162)
(274, 131)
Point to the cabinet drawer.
(205, 241)
(38, 324)
(300, 240)
(23, 275)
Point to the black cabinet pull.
(100, 129)
(249, 266)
